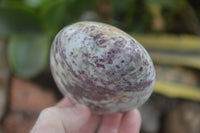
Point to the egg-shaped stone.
(101, 66)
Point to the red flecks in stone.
(117, 66)
(123, 74)
(100, 65)
(87, 55)
(141, 68)
(102, 41)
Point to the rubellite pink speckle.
(100, 66)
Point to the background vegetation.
(168, 29)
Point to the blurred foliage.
(177, 82)
(132, 15)
(51, 16)
(15, 20)
(166, 42)
(175, 90)
(177, 60)
(30, 25)
(27, 54)
(181, 50)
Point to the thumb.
(62, 120)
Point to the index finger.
(131, 122)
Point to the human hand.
(68, 118)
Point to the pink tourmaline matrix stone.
(100, 66)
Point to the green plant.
(30, 25)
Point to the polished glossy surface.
(102, 67)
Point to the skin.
(68, 118)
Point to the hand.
(67, 118)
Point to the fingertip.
(75, 118)
(91, 125)
(58, 119)
(79, 108)
(110, 123)
(65, 102)
(131, 122)
(135, 113)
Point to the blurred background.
(169, 30)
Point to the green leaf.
(77, 7)
(28, 54)
(18, 20)
(172, 4)
(52, 15)
(24, 3)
